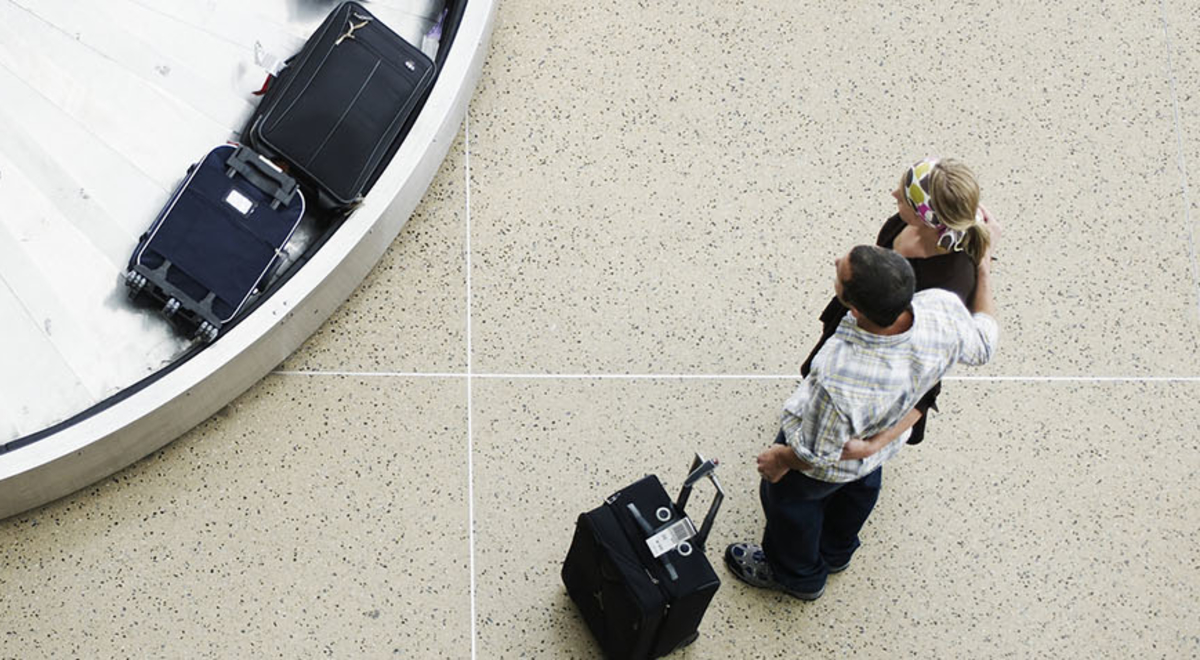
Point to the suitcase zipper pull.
(351, 26)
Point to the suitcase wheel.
(206, 332)
(687, 641)
(170, 308)
(135, 282)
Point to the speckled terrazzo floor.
(620, 262)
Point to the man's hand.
(992, 223)
(984, 267)
(775, 462)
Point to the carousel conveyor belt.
(106, 104)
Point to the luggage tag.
(673, 537)
(268, 61)
(433, 38)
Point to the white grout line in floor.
(374, 374)
(501, 376)
(470, 405)
(1183, 171)
(1078, 379)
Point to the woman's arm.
(856, 448)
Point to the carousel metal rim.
(94, 447)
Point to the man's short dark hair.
(881, 284)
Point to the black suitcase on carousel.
(637, 570)
(217, 241)
(335, 110)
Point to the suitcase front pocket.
(217, 251)
(337, 126)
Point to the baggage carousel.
(106, 105)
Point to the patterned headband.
(916, 190)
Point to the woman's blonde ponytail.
(955, 194)
(976, 240)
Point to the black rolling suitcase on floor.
(637, 570)
(218, 239)
(335, 110)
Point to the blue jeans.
(812, 525)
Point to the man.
(819, 481)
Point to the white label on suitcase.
(239, 201)
(670, 537)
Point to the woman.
(944, 233)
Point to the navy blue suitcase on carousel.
(217, 241)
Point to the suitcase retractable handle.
(263, 174)
(681, 535)
(702, 468)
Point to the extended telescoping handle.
(702, 468)
(263, 174)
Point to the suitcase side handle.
(702, 468)
(263, 174)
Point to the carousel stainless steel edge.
(91, 448)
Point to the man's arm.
(979, 332)
(982, 301)
(821, 421)
(857, 448)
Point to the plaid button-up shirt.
(862, 383)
